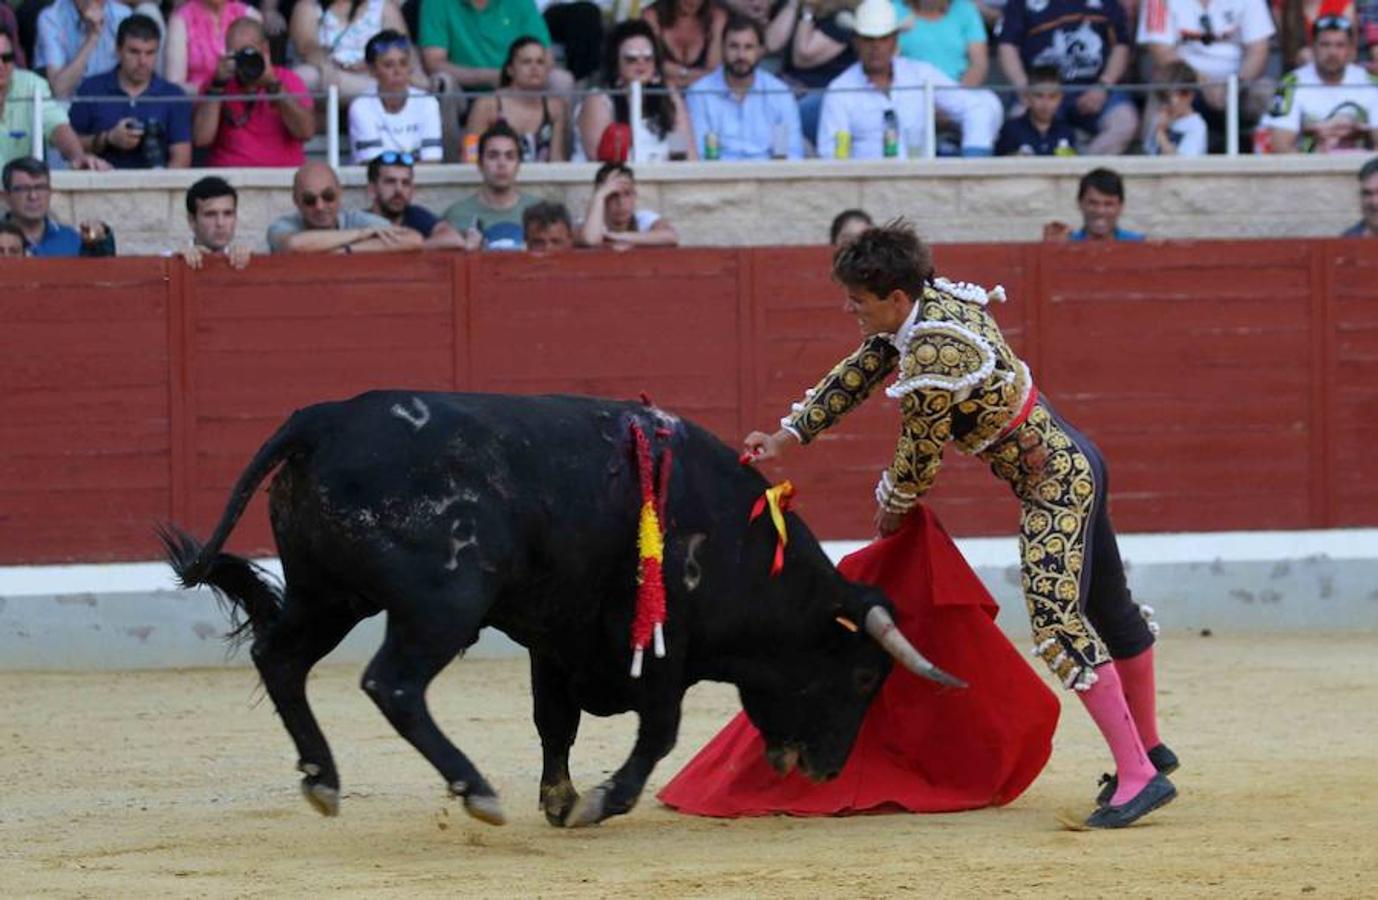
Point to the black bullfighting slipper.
(1163, 759)
(1158, 792)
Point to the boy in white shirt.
(1179, 129)
(401, 118)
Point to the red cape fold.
(922, 747)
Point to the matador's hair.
(885, 258)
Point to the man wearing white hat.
(878, 100)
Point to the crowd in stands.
(228, 83)
(222, 83)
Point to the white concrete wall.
(130, 616)
(716, 203)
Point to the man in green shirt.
(467, 40)
(16, 116)
(496, 208)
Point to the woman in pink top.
(196, 39)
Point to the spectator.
(391, 192)
(605, 130)
(1297, 24)
(847, 225)
(496, 208)
(690, 33)
(947, 34)
(331, 38)
(1039, 131)
(196, 40)
(1088, 42)
(12, 242)
(17, 87)
(1368, 202)
(820, 50)
(1100, 195)
(269, 130)
(542, 122)
(1223, 38)
(142, 131)
(402, 118)
(28, 193)
(318, 226)
(9, 26)
(577, 26)
(1327, 105)
(1179, 129)
(76, 39)
(212, 213)
(880, 93)
(738, 110)
(614, 221)
(547, 228)
(467, 40)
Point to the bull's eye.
(865, 680)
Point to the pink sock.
(1136, 674)
(1106, 704)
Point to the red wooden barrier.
(1233, 385)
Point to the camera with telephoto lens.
(249, 65)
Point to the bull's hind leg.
(557, 720)
(417, 647)
(284, 656)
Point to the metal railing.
(926, 146)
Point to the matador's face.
(876, 314)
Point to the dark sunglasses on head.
(393, 158)
(1331, 23)
(398, 44)
(7, 58)
(326, 196)
(1207, 30)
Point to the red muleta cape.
(922, 747)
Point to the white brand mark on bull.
(458, 543)
(417, 419)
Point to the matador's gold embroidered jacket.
(958, 381)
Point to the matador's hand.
(886, 522)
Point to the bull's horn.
(880, 626)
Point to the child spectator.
(402, 118)
(1039, 132)
(1178, 130)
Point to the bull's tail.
(239, 585)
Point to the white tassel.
(659, 642)
(636, 662)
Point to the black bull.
(457, 511)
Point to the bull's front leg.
(655, 737)
(557, 722)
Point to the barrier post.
(1232, 117)
(332, 126)
(930, 122)
(37, 124)
(634, 117)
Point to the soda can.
(470, 153)
(711, 150)
(842, 145)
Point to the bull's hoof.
(557, 800)
(589, 809)
(322, 797)
(485, 808)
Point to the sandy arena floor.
(181, 784)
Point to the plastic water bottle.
(891, 137)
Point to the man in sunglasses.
(28, 194)
(1330, 104)
(319, 226)
(392, 188)
(17, 88)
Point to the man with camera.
(253, 114)
(151, 129)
